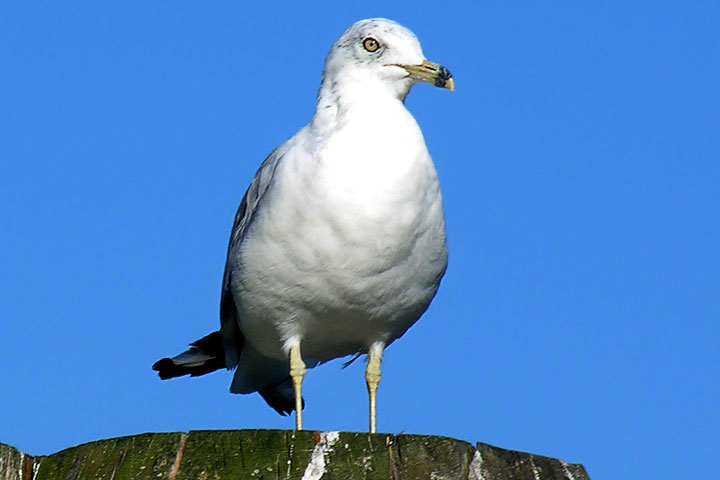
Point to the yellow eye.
(370, 44)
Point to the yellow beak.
(431, 72)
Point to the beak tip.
(450, 84)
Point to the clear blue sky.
(579, 159)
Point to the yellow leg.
(372, 378)
(297, 372)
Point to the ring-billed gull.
(338, 245)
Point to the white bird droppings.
(536, 474)
(316, 467)
(567, 471)
(476, 467)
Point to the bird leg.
(297, 372)
(372, 378)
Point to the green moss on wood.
(280, 454)
(139, 457)
(11, 463)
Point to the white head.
(379, 55)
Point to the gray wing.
(233, 339)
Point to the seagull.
(338, 245)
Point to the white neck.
(340, 94)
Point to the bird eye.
(370, 44)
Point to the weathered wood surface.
(280, 454)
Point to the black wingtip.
(166, 368)
(210, 348)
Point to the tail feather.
(255, 373)
(204, 356)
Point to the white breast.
(348, 247)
